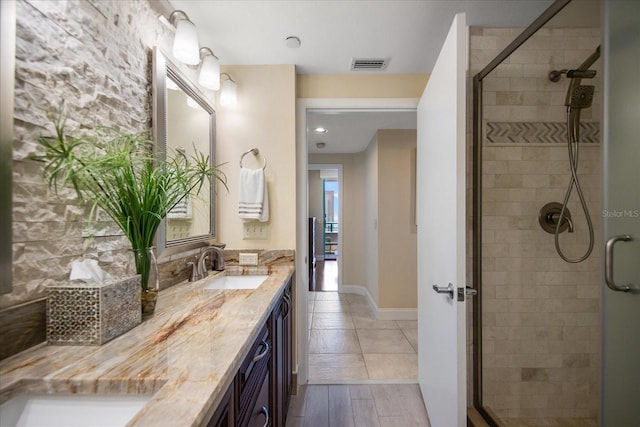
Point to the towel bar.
(255, 152)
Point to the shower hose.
(573, 123)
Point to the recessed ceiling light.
(320, 130)
(320, 145)
(292, 42)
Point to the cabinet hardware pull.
(247, 373)
(267, 346)
(265, 411)
(287, 303)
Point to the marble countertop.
(186, 354)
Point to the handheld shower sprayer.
(578, 97)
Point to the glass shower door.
(621, 216)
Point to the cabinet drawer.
(251, 375)
(261, 415)
(257, 359)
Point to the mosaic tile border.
(538, 132)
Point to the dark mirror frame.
(163, 69)
(7, 88)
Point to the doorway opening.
(324, 227)
(344, 238)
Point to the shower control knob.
(549, 216)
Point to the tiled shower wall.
(541, 320)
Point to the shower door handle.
(608, 262)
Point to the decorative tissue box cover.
(92, 314)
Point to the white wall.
(397, 237)
(264, 118)
(371, 217)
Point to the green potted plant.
(124, 176)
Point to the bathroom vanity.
(207, 357)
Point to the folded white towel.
(253, 198)
(182, 210)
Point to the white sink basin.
(71, 410)
(236, 282)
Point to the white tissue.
(88, 271)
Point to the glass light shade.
(186, 47)
(228, 96)
(209, 76)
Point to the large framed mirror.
(183, 121)
(7, 83)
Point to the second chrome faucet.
(199, 268)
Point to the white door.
(621, 310)
(441, 188)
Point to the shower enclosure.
(537, 204)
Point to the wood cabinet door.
(282, 357)
(225, 415)
(261, 415)
(288, 352)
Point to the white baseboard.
(354, 289)
(381, 313)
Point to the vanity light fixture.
(320, 130)
(186, 47)
(228, 95)
(209, 75)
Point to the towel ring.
(255, 152)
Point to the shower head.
(555, 75)
(581, 74)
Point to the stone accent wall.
(541, 320)
(93, 60)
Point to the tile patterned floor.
(365, 405)
(347, 343)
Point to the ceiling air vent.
(369, 63)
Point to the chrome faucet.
(217, 263)
(194, 276)
(199, 267)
